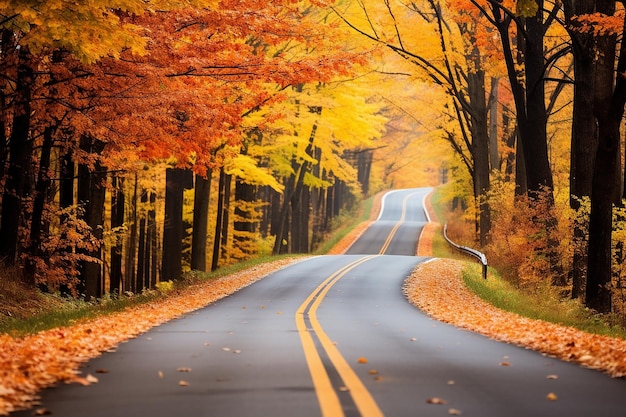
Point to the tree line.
(516, 76)
(142, 139)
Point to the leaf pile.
(437, 288)
(30, 363)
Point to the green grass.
(541, 304)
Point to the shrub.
(530, 238)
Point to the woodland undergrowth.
(530, 244)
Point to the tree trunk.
(131, 252)
(152, 241)
(494, 154)
(143, 254)
(217, 241)
(584, 140)
(118, 200)
(42, 188)
(293, 199)
(226, 217)
(480, 149)
(200, 229)
(17, 183)
(176, 180)
(92, 195)
(609, 109)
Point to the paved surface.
(296, 343)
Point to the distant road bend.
(333, 336)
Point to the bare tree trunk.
(130, 283)
(118, 200)
(217, 241)
(42, 188)
(200, 222)
(18, 182)
(177, 180)
(92, 195)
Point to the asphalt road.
(332, 336)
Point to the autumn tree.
(455, 64)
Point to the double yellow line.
(397, 226)
(327, 396)
(308, 326)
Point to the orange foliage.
(523, 234)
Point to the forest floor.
(33, 362)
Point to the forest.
(141, 140)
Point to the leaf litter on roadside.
(437, 288)
(31, 363)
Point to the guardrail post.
(479, 255)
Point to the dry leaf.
(436, 400)
(184, 369)
(362, 360)
(372, 372)
(551, 397)
(102, 371)
(451, 382)
(42, 412)
(160, 373)
(79, 380)
(454, 412)
(552, 376)
(91, 379)
(183, 383)
(226, 349)
(343, 389)
(505, 363)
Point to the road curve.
(333, 336)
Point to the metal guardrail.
(479, 255)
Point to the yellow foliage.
(165, 286)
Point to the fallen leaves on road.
(551, 397)
(30, 363)
(437, 288)
(436, 400)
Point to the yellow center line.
(326, 394)
(397, 226)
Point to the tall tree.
(177, 180)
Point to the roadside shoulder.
(437, 288)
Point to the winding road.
(333, 336)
